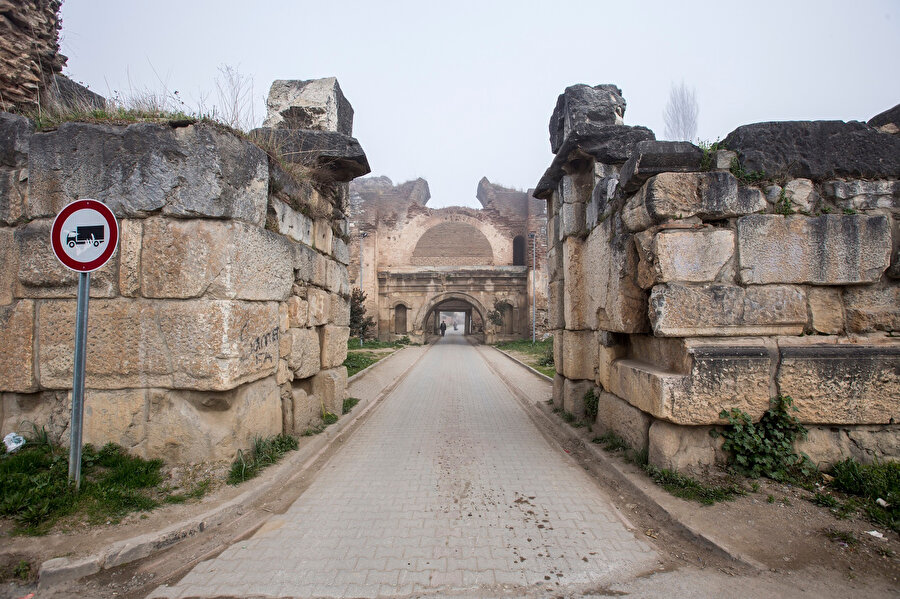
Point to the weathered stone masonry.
(677, 290)
(224, 313)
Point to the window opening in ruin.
(400, 319)
(519, 251)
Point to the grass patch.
(37, 493)
(538, 355)
(360, 360)
(691, 489)
(842, 536)
(264, 453)
(611, 442)
(349, 404)
(868, 483)
(353, 343)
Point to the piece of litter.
(882, 502)
(13, 442)
(875, 534)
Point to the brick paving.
(447, 488)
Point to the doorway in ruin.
(461, 316)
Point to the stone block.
(841, 383)
(606, 357)
(322, 235)
(131, 235)
(692, 256)
(826, 310)
(300, 347)
(333, 342)
(654, 157)
(573, 395)
(13, 195)
(118, 416)
(330, 387)
(340, 251)
(605, 294)
(617, 415)
(214, 259)
(556, 315)
(682, 448)
(827, 445)
(198, 171)
(340, 311)
(581, 106)
(555, 263)
(319, 303)
(826, 250)
(283, 374)
(872, 308)
(63, 569)
(802, 195)
(572, 223)
(559, 382)
(600, 205)
(723, 374)
(298, 312)
(313, 104)
(863, 195)
(338, 155)
(678, 310)
(675, 196)
(49, 409)
(9, 266)
(575, 188)
(579, 354)
(309, 266)
(337, 279)
(194, 426)
(17, 363)
(290, 223)
(161, 344)
(307, 411)
(15, 137)
(723, 159)
(41, 275)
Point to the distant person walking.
(443, 328)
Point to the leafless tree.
(680, 115)
(235, 106)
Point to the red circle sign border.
(60, 219)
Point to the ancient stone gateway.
(419, 263)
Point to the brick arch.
(430, 303)
(452, 243)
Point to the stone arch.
(400, 318)
(432, 302)
(452, 243)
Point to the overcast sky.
(454, 91)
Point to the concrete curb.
(637, 483)
(62, 569)
(523, 364)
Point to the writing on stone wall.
(264, 347)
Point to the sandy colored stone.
(290, 222)
(606, 356)
(826, 309)
(307, 410)
(682, 448)
(340, 311)
(329, 387)
(841, 383)
(556, 315)
(872, 308)
(118, 416)
(573, 395)
(678, 310)
(40, 274)
(8, 266)
(572, 220)
(131, 233)
(802, 195)
(17, 364)
(298, 312)
(617, 415)
(322, 235)
(340, 250)
(319, 304)
(337, 280)
(834, 249)
(300, 347)
(559, 382)
(49, 409)
(333, 340)
(693, 256)
(864, 195)
(283, 374)
(826, 445)
(215, 259)
(579, 354)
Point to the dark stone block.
(69, 94)
(816, 150)
(891, 116)
(653, 157)
(581, 106)
(339, 154)
(15, 135)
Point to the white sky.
(455, 91)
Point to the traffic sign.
(84, 235)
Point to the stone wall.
(29, 51)
(222, 316)
(413, 255)
(678, 290)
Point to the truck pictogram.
(93, 234)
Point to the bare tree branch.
(680, 115)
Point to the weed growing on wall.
(748, 177)
(709, 151)
(264, 453)
(766, 448)
(591, 404)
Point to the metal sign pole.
(533, 276)
(81, 319)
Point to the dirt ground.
(789, 536)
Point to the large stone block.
(9, 266)
(581, 106)
(826, 310)
(826, 250)
(313, 104)
(131, 238)
(556, 313)
(863, 195)
(204, 345)
(118, 416)
(606, 296)
(340, 311)
(579, 354)
(40, 274)
(678, 310)
(573, 395)
(827, 445)
(841, 383)
(330, 387)
(571, 220)
(692, 256)
(310, 266)
(319, 303)
(682, 448)
(872, 308)
(338, 154)
(198, 171)
(290, 223)
(17, 364)
(13, 195)
(617, 415)
(300, 347)
(333, 341)
(49, 409)
(298, 312)
(15, 137)
(559, 382)
(215, 259)
(675, 196)
(654, 157)
(307, 410)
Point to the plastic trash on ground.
(13, 442)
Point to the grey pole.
(533, 276)
(362, 235)
(75, 430)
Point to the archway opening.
(400, 319)
(459, 317)
(519, 251)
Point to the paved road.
(449, 488)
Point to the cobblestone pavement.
(447, 488)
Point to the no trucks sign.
(84, 235)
